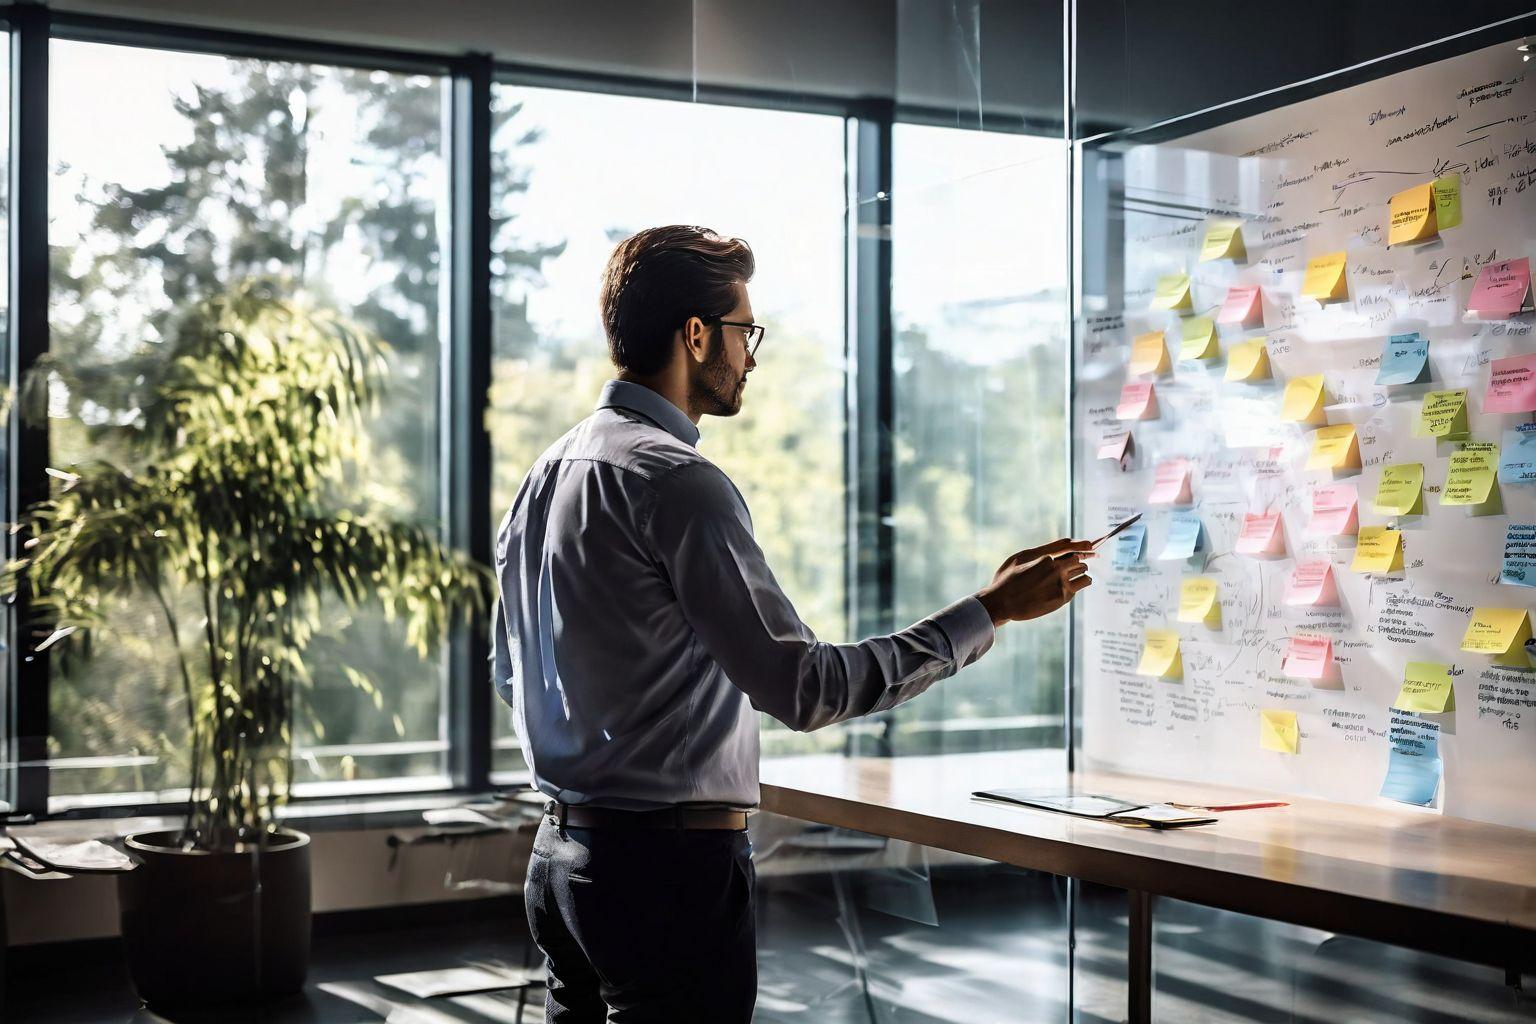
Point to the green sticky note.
(1448, 201)
(1400, 492)
(1444, 414)
(1426, 688)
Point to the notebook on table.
(1105, 808)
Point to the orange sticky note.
(1260, 535)
(1335, 447)
(1304, 400)
(1325, 278)
(1311, 583)
(1411, 215)
(1137, 401)
(1149, 355)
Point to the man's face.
(717, 384)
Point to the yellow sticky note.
(1303, 401)
(1335, 447)
(1197, 601)
(1160, 656)
(1248, 360)
(1378, 549)
(1426, 688)
(1173, 292)
(1149, 354)
(1443, 414)
(1198, 339)
(1277, 731)
(1325, 278)
(1502, 632)
(1223, 241)
(1469, 480)
(1447, 201)
(1401, 489)
(1412, 215)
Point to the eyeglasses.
(752, 334)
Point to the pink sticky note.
(1116, 446)
(1512, 385)
(1137, 401)
(1335, 511)
(1501, 288)
(1308, 657)
(1260, 535)
(1171, 485)
(1242, 306)
(1311, 583)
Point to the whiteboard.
(1305, 180)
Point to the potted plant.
(228, 518)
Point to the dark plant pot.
(199, 930)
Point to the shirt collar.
(637, 398)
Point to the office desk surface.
(1398, 874)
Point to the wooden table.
(1399, 875)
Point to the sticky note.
(1170, 484)
(1303, 402)
(1248, 360)
(1411, 215)
(1401, 489)
(1129, 545)
(1501, 632)
(1512, 385)
(1311, 583)
(1426, 689)
(1160, 655)
(1502, 290)
(1185, 536)
(1149, 355)
(1277, 731)
(1518, 567)
(1518, 463)
(1138, 401)
(1197, 601)
(1404, 360)
(1325, 278)
(1308, 657)
(1378, 550)
(1443, 414)
(1447, 190)
(1469, 480)
(1413, 762)
(1223, 242)
(1198, 339)
(1335, 511)
(1116, 446)
(1172, 292)
(1335, 447)
(1244, 306)
(1260, 535)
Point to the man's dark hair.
(657, 279)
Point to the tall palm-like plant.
(228, 519)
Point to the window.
(980, 309)
(575, 173)
(174, 176)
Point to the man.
(638, 632)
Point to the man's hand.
(1037, 581)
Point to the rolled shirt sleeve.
(700, 535)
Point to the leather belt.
(579, 816)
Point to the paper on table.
(1518, 466)
(1404, 360)
(1170, 485)
(1160, 655)
(1469, 479)
(1248, 360)
(1223, 241)
(1129, 544)
(1443, 414)
(1325, 278)
(1303, 402)
(1512, 385)
(1244, 305)
(1277, 730)
(1518, 567)
(1198, 339)
(1447, 201)
(1426, 689)
(1413, 765)
(1412, 215)
(1138, 401)
(1401, 489)
(1308, 657)
(1149, 354)
(1260, 535)
(1502, 290)
(1501, 632)
(1311, 583)
(1378, 550)
(1335, 447)
(1172, 292)
(1335, 511)
(1184, 537)
(1197, 601)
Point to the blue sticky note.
(1184, 537)
(1519, 566)
(1413, 765)
(1404, 360)
(1129, 545)
(1517, 460)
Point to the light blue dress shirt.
(638, 624)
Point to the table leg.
(1139, 958)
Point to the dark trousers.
(644, 925)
